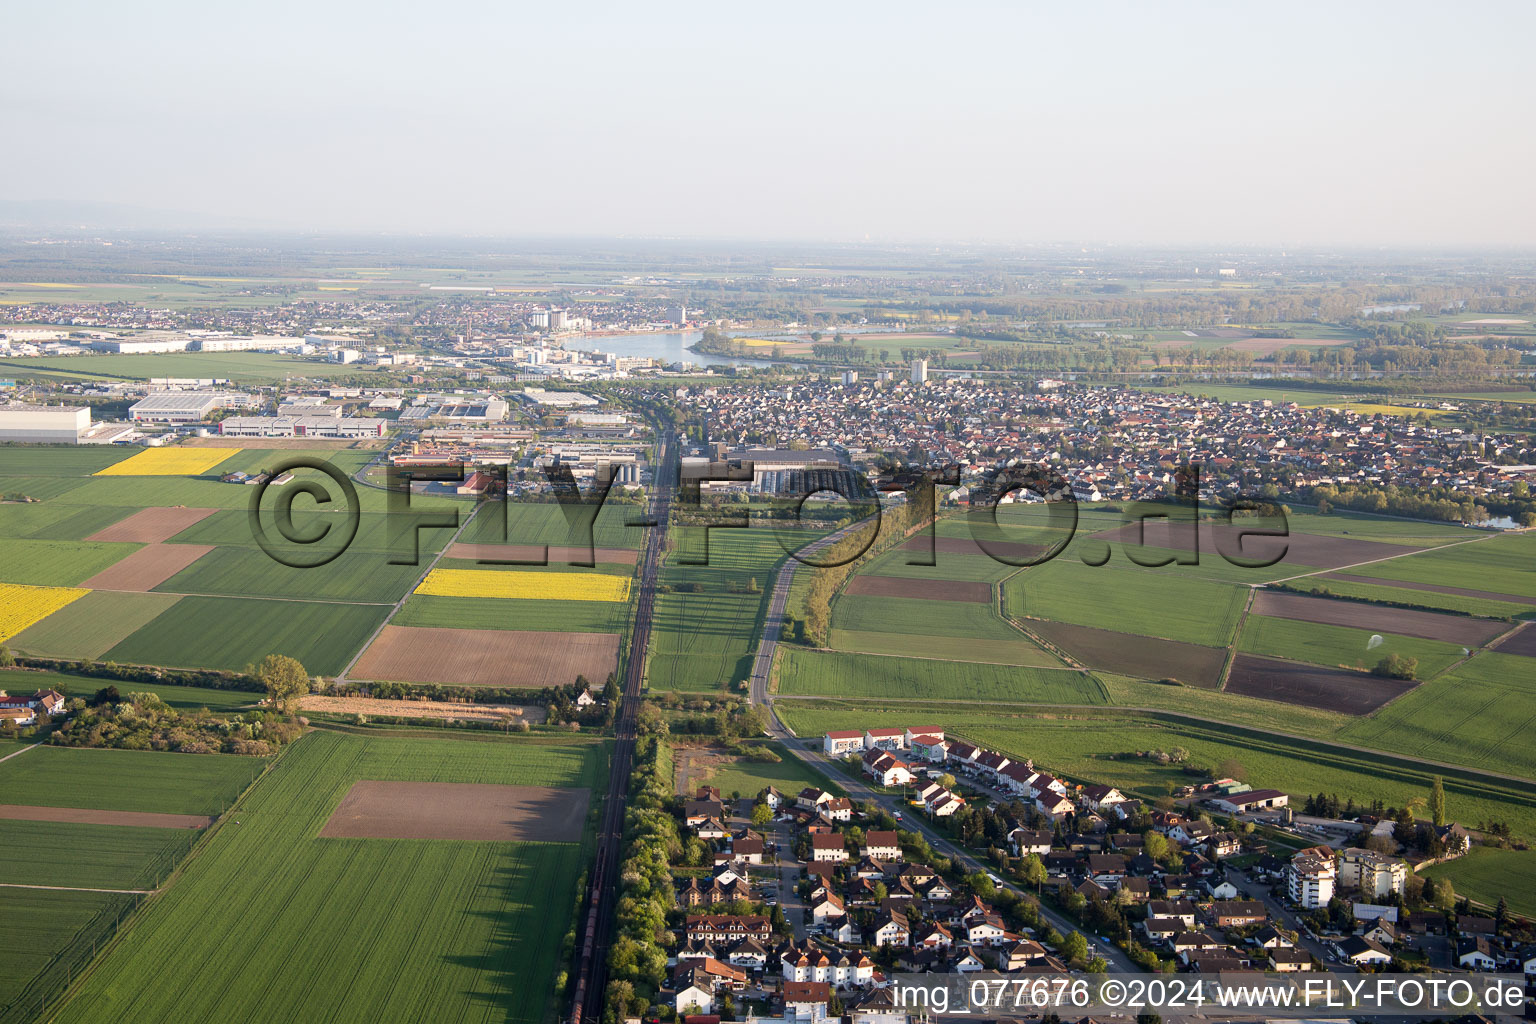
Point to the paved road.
(857, 787)
(602, 881)
(1286, 916)
(789, 870)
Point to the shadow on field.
(516, 967)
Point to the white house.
(694, 998)
(882, 845)
(841, 744)
(1474, 953)
(887, 770)
(806, 1001)
(1310, 877)
(828, 848)
(885, 739)
(893, 931)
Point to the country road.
(856, 786)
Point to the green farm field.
(869, 614)
(43, 928)
(530, 522)
(707, 617)
(126, 780)
(1486, 874)
(1500, 565)
(834, 673)
(229, 634)
(1129, 599)
(89, 856)
(54, 563)
(1482, 714)
(1019, 651)
(1341, 645)
(354, 576)
(740, 775)
(93, 625)
(250, 367)
(470, 931)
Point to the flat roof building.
(302, 426)
(44, 424)
(182, 406)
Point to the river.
(667, 346)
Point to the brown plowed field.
(153, 525)
(487, 657)
(88, 816)
(147, 568)
(1129, 655)
(1522, 642)
(1453, 629)
(535, 552)
(1432, 588)
(1327, 689)
(928, 590)
(968, 546)
(1300, 549)
(458, 810)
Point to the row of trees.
(838, 561)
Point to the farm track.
(595, 932)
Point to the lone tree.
(285, 680)
(1437, 803)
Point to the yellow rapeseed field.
(170, 462)
(21, 606)
(534, 586)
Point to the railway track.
(602, 883)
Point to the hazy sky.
(1343, 123)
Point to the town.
(803, 906)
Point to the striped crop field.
(170, 462)
(21, 607)
(535, 586)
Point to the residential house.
(1288, 960)
(887, 770)
(1025, 841)
(1309, 878)
(839, 808)
(842, 743)
(1102, 798)
(1373, 874)
(892, 930)
(806, 1001)
(882, 845)
(1237, 913)
(829, 848)
(697, 995)
(1361, 951)
(725, 927)
(885, 739)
